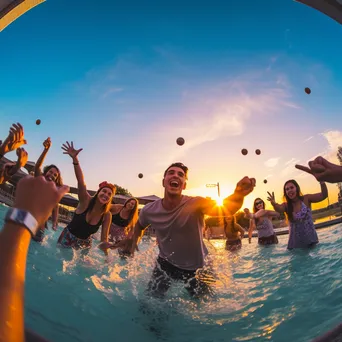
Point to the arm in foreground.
(323, 170)
(232, 203)
(38, 197)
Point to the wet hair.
(105, 207)
(289, 204)
(181, 166)
(133, 215)
(59, 180)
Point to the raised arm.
(232, 203)
(40, 161)
(37, 197)
(14, 140)
(69, 149)
(320, 196)
(323, 170)
(280, 208)
(10, 169)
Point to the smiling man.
(178, 221)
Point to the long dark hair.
(289, 204)
(59, 180)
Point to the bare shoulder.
(115, 208)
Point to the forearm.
(324, 190)
(137, 235)
(263, 212)
(39, 163)
(78, 171)
(279, 208)
(233, 203)
(14, 243)
(250, 232)
(55, 217)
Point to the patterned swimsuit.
(302, 229)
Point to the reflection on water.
(262, 294)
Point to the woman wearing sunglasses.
(262, 221)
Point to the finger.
(303, 168)
(316, 167)
(78, 151)
(253, 181)
(72, 144)
(16, 126)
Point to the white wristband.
(22, 218)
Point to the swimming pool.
(263, 294)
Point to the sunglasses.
(259, 202)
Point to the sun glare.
(219, 201)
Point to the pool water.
(262, 294)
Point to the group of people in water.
(297, 208)
(177, 220)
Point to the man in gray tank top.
(178, 221)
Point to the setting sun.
(219, 201)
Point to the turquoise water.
(263, 294)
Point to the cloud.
(289, 169)
(334, 139)
(111, 91)
(308, 139)
(272, 162)
(221, 111)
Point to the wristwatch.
(23, 218)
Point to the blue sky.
(123, 81)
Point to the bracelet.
(75, 163)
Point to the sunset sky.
(125, 80)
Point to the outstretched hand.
(245, 186)
(38, 196)
(47, 143)
(70, 150)
(271, 197)
(14, 139)
(323, 170)
(22, 157)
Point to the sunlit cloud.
(272, 162)
(289, 169)
(334, 139)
